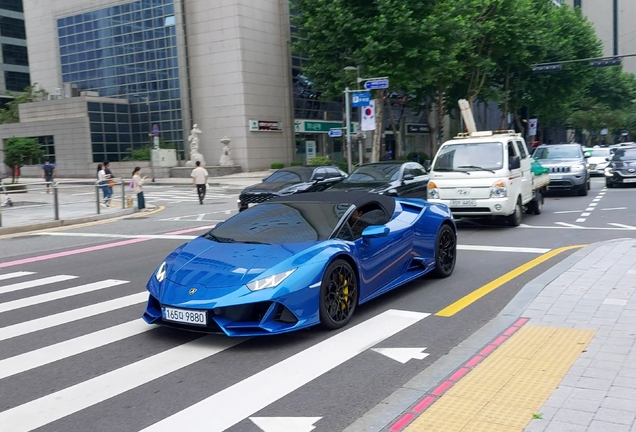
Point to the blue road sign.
(335, 133)
(360, 99)
(377, 84)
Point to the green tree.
(21, 151)
(10, 113)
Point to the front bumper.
(617, 179)
(597, 169)
(567, 181)
(479, 207)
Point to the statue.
(226, 157)
(193, 139)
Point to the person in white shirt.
(200, 179)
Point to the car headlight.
(433, 192)
(269, 281)
(161, 272)
(498, 189)
(577, 167)
(609, 172)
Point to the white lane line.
(623, 226)
(35, 283)
(572, 227)
(69, 316)
(579, 220)
(568, 211)
(54, 406)
(231, 405)
(569, 225)
(502, 249)
(15, 275)
(585, 214)
(43, 356)
(614, 208)
(593, 205)
(56, 295)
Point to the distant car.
(289, 181)
(568, 166)
(393, 178)
(299, 261)
(622, 167)
(597, 160)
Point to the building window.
(13, 28)
(577, 3)
(110, 126)
(12, 5)
(16, 81)
(48, 146)
(126, 51)
(15, 55)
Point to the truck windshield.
(470, 157)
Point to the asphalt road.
(75, 356)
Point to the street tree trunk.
(379, 123)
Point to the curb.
(403, 400)
(65, 222)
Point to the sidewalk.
(561, 357)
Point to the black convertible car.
(289, 181)
(393, 178)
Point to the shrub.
(344, 166)
(296, 163)
(320, 161)
(277, 165)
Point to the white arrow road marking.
(54, 406)
(35, 283)
(230, 406)
(285, 424)
(402, 355)
(15, 275)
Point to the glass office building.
(15, 62)
(125, 51)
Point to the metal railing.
(36, 202)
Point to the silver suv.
(567, 164)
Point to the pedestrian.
(138, 182)
(200, 179)
(109, 182)
(48, 172)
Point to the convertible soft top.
(357, 198)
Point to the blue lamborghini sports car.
(298, 261)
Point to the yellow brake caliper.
(345, 292)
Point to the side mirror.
(588, 155)
(607, 159)
(515, 162)
(408, 177)
(265, 178)
(319, 178)
(375, 231)
(427, 165)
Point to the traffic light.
(547, 69)
(606, 62)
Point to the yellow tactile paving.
(502, 393)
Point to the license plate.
(555, 177)
(632, 180)
(185, 316)
(463, 203)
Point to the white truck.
(487, 174)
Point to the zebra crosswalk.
(183, 195)
(52, 386)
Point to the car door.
(318, 180)
(526, 171)
(415, 188)
(515, 177)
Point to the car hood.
(210, 264)
(368, 186)
(597, 160)
(270, 187)
(560, 162)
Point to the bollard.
(56, 204)
(99, 209)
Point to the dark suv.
(289, 181)
(622, 167)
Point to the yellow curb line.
(471, 298)
(144, 214)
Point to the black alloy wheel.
(445, 252)
(338, 295)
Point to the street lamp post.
(359, 135)
(348, 123)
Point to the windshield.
(558, 152)
(470, 156)
(605, 152)
(624, 155)
(280, 223)
(286, 177)
(375, 173)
